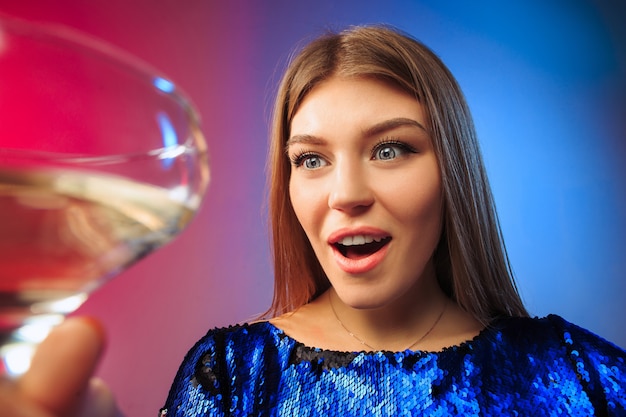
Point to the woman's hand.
(59, 382)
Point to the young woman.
(393, 292)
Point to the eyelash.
(298, 159)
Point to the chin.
(362, 301)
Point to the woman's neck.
(398, 325)
(425, 319)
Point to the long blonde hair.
(471, 263)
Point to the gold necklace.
(364, 343)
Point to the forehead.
(357, 102)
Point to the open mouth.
(359, 250)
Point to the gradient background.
(547, 85)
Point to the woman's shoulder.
(240, 336)
(241, 352)
(548, 354)
(240, 343)
(572, 334)
(553, 342)
(553, 330)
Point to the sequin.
(515, 367)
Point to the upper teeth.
(358, 240)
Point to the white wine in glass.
(102, 161)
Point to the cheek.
(417, 202)
(311, 209)
(303, 203)
(425, 205)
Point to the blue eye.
(388, 150)
(308, 161)
(313, 162)
(386, 153)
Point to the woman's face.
(366, 187)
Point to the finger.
(62, 366)
(11, 404)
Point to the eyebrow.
(308, 139)
(391, 124)
(374, 130)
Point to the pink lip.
(338, 235)
(362, 265)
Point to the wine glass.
(102, 161)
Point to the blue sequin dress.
(514, 367)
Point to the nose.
(350, 189)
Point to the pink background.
(547, 87)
